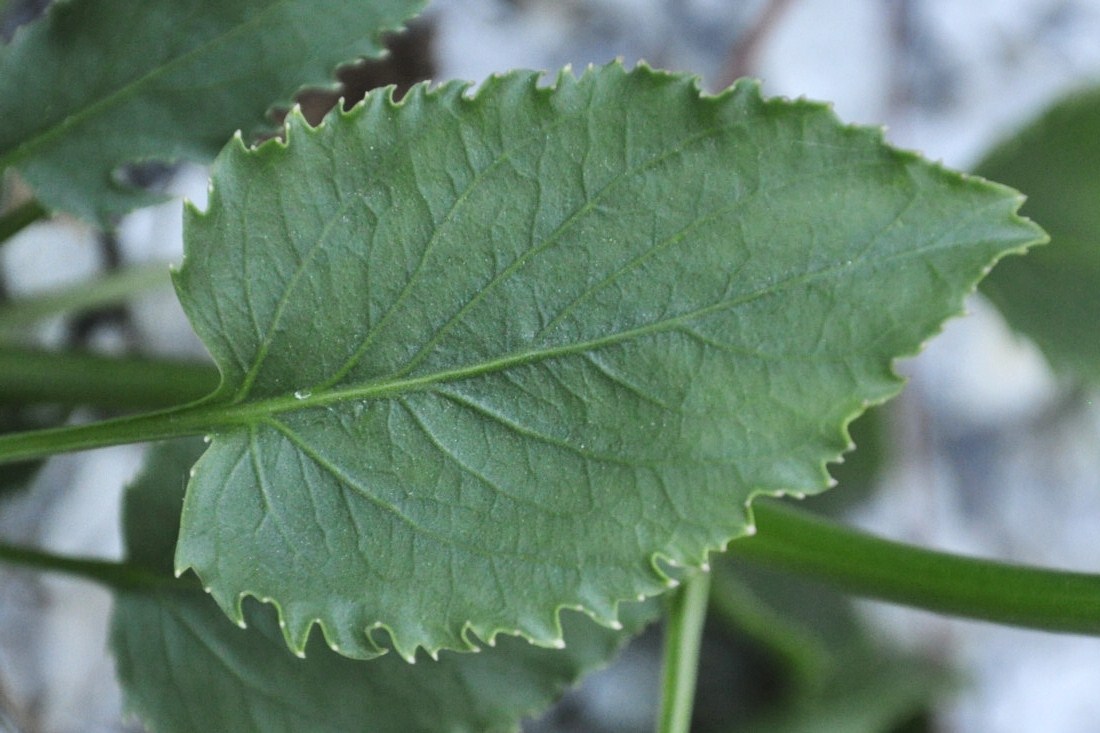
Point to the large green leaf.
(1054, 296)
(487, 356)
(96, 84)
(185, 667)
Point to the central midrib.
(214, 414)
(249, 412)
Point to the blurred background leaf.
(1053, 294)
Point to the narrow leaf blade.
(487, 356)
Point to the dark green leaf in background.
(96, 84)
(185, 668)
(836, 674)
(1053, 296)
(488, 356)
(875, 694)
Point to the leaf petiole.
(144, 428)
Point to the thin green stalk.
(107, 290)
(687, 609)
(114, 575)
(14, 221)
(796, 541)
(174, 423)
(69, 378)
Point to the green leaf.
(185, 667)
(1054, 295)
(152, 504)
(856, 477)
(97, 84)
(488, 356)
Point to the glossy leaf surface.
(490, 355)
(97, 84)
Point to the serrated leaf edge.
(469, 92)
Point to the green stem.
(85, 379)
(14, 221)
(107, 290)
(173, 423)
(115, 575)
(795, 541)
(687, 610)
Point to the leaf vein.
(429, 247)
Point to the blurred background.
(988, 451)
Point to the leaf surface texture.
(488, 355)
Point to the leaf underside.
(97, 84)
(185, 668)
(1053, 296)
(490, 355)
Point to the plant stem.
(107, 290)
(148, 427)
(68, 378)
(115, 575)
(796, 541)
(22, 216)
(687, 610)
